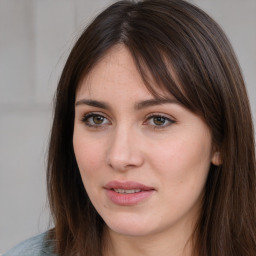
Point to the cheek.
(182, 170)
(182, 162)
(89, 155)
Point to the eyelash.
(87, 121)
(165, 118)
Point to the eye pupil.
(159, 120)
(98, 119)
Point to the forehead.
(117, 71)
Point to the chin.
(130, 225)
(129, 230)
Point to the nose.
(124, 150)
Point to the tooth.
(118, 190)
(126, 191)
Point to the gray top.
(34, 246)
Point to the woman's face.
(143, 162)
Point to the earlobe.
(216, 159)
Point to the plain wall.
(35, 39)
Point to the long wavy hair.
(161, 34)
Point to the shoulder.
(35, 246)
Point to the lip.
(131, 198)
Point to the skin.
(124, 142)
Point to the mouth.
(127, 193)
(127, 187)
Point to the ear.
(216, 158)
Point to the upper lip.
(127, 185)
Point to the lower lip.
(128, 199)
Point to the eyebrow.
(138, 106)
(154, 102)
(93, 103)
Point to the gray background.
(35, 39)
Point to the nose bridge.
(123, 150)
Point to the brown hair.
(160, 34)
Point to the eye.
(159, 121)
(95, 120)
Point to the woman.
(152, 149)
